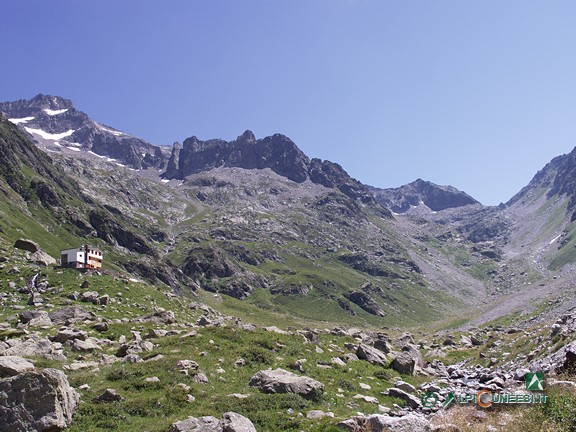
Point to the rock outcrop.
(37, 401)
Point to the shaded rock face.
(27, 245)
(436, 197)
(282, 381)
(37, 401)
(113, 232)
(216, 271)
(365, 302)
(276, 152)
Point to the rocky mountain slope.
(253, 231)
(257, 220)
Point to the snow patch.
(96, 154)
(74, 144)
(554, 239)
(164, 181)
(54, 112)
(50, 136)
(120, 165)
(74, 148)
(21, 120)
(112, 131)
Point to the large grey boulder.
(35, 317)
(200, 424)
(407, 423)
(412, 400)
(31, 346)
(372, 355)
(233, 422)
(282, 381)
(37, 402)
(42, 258)
(70, 315)
(14, 365)
(404, 364)
(27, 245)
(385, 423)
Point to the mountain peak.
(436, 197)
(247, 136)
(50, 102)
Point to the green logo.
(429, 399)
(449, 399)
(535, 381)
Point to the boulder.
(89, 297)
(32, 346)
(413, 351)
(37, 401)
(385, 423)
(200, 424)
(404, 364)
(40, 319)
(36, 317)
(27, 245)
(71, 314)
(35, 299)
(14, 365)
(412, 400)
(87, 345)
(42, 258)
(101, 327)
(134, 347)
(282, 381)
(160, 317)
(372, 355)
(407, 423)
(232, 422)
(109, 395)
(69, 334)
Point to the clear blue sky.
(476, 94)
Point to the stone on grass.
(200, 424)
(109, 395)
(282, 381)
(233, 422)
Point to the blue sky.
(479, 95)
